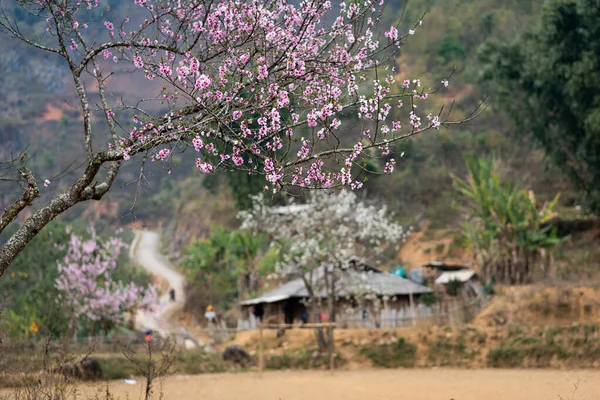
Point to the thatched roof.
(351, 282)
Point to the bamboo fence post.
(260, 350)
(331, 352)
(412, 309)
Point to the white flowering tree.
(321, 239)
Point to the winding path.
(145, 251)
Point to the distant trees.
(225, 266)
(548, 81)
(510, 234)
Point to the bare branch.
(29, 194)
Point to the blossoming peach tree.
(323, 242)
(87, 288)
(258, 85)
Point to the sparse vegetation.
(305, 358)
(573, 346)
(398, 353)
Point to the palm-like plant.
(225, 264)
(507, 230)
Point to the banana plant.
(505, 227)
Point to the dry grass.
(440, 384)
(541, 305)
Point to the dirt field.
(441, 384)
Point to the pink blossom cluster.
(86, 284)
(250, 74)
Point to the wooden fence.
(451, 312)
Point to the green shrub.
(505, 357)
(116, 368)
(398, 354)
(301, 359)
(199, 362)
(449, 352)
(527, 351)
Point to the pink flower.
(162, 154)
(237, 160)
(203, 166)
(138, 62)
(86, 285)
(109, 26)
(389, 166)
(392, 34)
(165, 70)
(203, 82)
(198, 143)
(263, 72)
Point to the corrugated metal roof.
(350, 282)
(443, 266)
(461, 276)
(263, 299)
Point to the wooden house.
(361, 288)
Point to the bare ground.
(434, 384)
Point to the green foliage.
(526, 351)
(428, 299)
(450, 49)
(451, 351)
(243, 185)
(506, 228)
(548, 81)
(29, 289)
(306, 358)
(208, 265)
(188, 362)
(199, 362)
(117, 367)
(401, 353)
(225, 266)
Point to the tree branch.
(29, 194)
(81, 190)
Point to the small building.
(363, 289)
(463, 281)
(432, 270)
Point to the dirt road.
(413, 384)
(145, 251)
